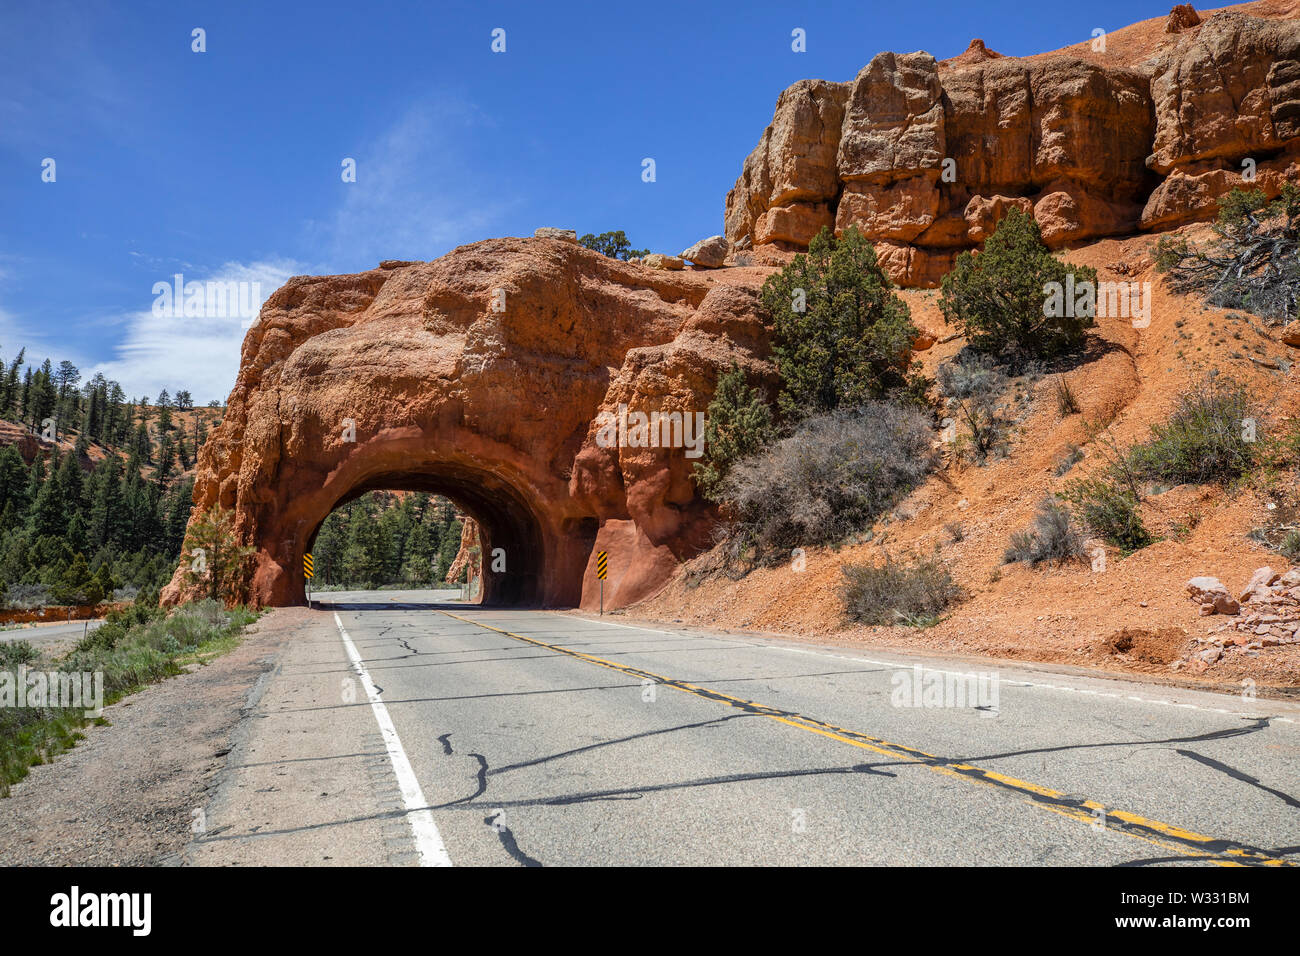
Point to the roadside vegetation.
(1215, 433)
(1052, 538)
(131, 649)
(844, 433)
(1212, 436)
(972, 386)
(849, 429)
(832, 477)
(1254, 261)
(914, 593)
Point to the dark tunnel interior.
(505, 520)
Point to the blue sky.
(226, 164)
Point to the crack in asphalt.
(495, 818)
(1261, 723)
(714, 722)
(637, 792)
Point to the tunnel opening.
(510, 536)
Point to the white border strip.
(428, 841)
(1260, 709)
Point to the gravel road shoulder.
(126, 794)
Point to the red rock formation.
(924, 156)
(469, 556)
(1182, 17)
(789, 181)
(479, 376)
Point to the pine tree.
(140, 445)
(103, 492)
(166, 458)
(9, 393)
(117, 420)
(212, 556)
(66, 378)
(13, 483)
(49, 515)
(44, 397)
(71, 481)
(739, 423)
(76, 533)
(26, 399)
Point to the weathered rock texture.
(469, 555)
(444, 392)
(924, 157)
(1267, 614)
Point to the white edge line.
(1010, 682)
(428, 841)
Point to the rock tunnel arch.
(481, 376)
(544, 559)
(508, 526)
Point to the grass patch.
(1210, 437)
(1051, 538)
(915, 594)
(132, 649)
(1109, 511)
(1067, 403)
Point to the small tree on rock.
(212, 556)
(613, 244)
(842, 336)
(999, 297)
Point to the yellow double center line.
(1164, 835)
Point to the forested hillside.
(387, 538)
(94, 487)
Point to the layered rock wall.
(924, 157)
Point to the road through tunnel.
(510, 534)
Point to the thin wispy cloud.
(200, 354)
(416, 193)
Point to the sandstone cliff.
(924, 156)
(480, 376)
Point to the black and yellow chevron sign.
(602, 564)
(308, 566)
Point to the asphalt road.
(66, 632)
(401, 732)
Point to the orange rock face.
(469, 555)
(924, 157)
(480, 376)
